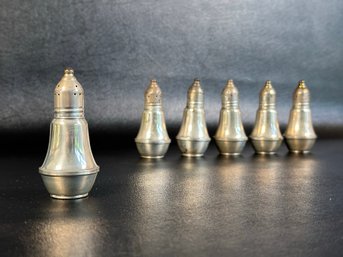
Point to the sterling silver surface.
(230, 136)
(69, 170)
(266, 137)
(193, 138)
(300, 136)
(152, 140)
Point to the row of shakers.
(193, 139)
(69, 169)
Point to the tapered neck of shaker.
(267, 97)
(153, 95)
(195, 95)
(301, 96)
(230, 96)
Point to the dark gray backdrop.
(115, 47)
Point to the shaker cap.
(153, 94)
(69, 92)
(230, 94)
(195, 95)
(301, 94)
(267, 95)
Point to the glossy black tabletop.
(283, 205)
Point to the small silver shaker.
(193, 138)
(152, 140)
(230, 136)
(266, 136)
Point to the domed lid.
(230, 95)
(195, 95)
(153, 94)
(267, 96)
(69, 92)
(301, 94)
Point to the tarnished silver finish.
(152, 140)
(69, 169)
(230, 136)
(193, 138)
(300, 136)
(266, 136)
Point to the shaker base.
(300, 145)
(230, 154)
(152, 157)
(192, 148)
(193, 155)
(266, 153)
(266, 146)
(227, 147)
(69, 187)
(152, 150)
(66, 197)
(300, 152)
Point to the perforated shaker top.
(301, 96)
(153, 94)
(230, 95)
(195, 95)
(68, 95)
(267, 96)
